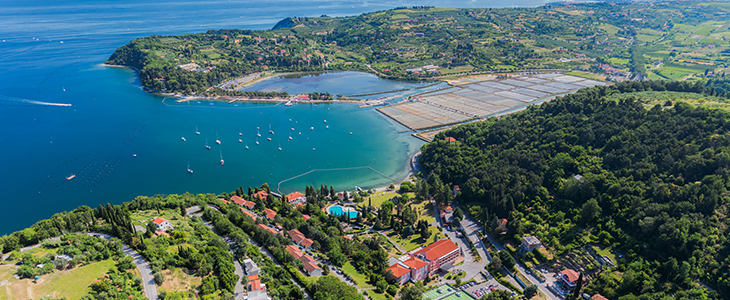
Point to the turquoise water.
(337, 210)
(110, 118)
(345, 83)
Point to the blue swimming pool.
(338, 210)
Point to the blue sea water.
(51, 51)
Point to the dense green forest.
(665, 40)
(651, 183)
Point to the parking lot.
(479, 290)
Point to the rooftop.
(294, 195)
(238, 200)
(159, 221)
(570, 274)
(398, 270)
(270, 214)
(415, 263)
(438, 249)
(311, 267)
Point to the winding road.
(148, 281)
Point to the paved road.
(267, 253)
(150, 290)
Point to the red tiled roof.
(415, 263)
(264, 227)
(296, 235)
(503, 222)
(254, 285)
(305, 258)
(224, 201)
(253, 277)
(248, 213)
(311, 267)
(571, 275)
(294, 195)
(598, 297)
(307, 242)
(294, 251)
(270, 214)
(238, 200)
(306, 217)
(438, 249)
(159, 221)
(261, 194)
(450, 139)
(398, 270)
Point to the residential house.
(250, 267)
(312, 269)
(260, 194)
(296, 198)
(447, 215)
(598, 297)
(503, 226)
(270, 214)
(529, 243)
(300, 239)
(264, 227)
(248, 204)
(162, 224)
(567, 281)
(441, 253)
(238, 200)
(250, 214)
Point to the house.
(312, 269)
(248, 204)
(447, 215)
(261, 195)
(503, 226)
(567, 280)
(264, 227)
(450, 139)
(529, 243)
(256, 285)
(294, 251)
(598, 297)
(296, 198)
(306, 217)
(249, 214)
(270, 214)
(457, 190)
(300, 239)
(401, 273)
(250, 267)
(440, 253)
(418, 267)
(162, 224)
(238, 200)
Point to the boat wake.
(8, 99)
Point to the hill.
(596, 167)
(621, 41)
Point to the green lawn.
(413, 241)
(378, 198)
(357, 277)
(71, 284)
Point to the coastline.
(119, 66)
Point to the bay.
(51, 51)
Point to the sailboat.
(246, 146)
(257, 141)
(216, 139)
(257, 132)
(268, 139)
(206, 144)
(196, 129)
(183, 138)
(279, 146)
(325, 121)
(290, 135)
(311, 128)
(189, 169)
(327, 127)
(240, 140)
(270, 131)
(221, 158)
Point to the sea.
(64, 114)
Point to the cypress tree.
(578, 286)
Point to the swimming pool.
(339, 210)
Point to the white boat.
(300, 133)
(325, 121)
(350, 132)
(290, 135)
(222, 158)
(206, 144)
(134, 154)
(72, 176)
(270, 131)
(292, 129)
(246, 146)
(257, 141)
(257, 132)
(279, 146)
(268, 139)
(196, 130)
(183, 138)
(314, 149)
(217, 141)
(327, 127)
(189, 169)
(240, 140)
(289, 120)
(311, 128)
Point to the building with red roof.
(270, 214)
(248, 204)
(439, 254)
(312, 269)
(294, 251)
(248, 213)
(418, 267)
(598, 297)
(306, 217)
(300, 239)
(264, 227)
(260, 194)
(567, 280)
(254, 285)
(238, 200)
(296, 198)
(162, 224)
(450, 139)
(401, 273)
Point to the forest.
(595, 167)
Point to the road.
(148, 281)
(267, 253)
(472, 226)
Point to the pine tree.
(578, 286)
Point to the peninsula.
(677, 41)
